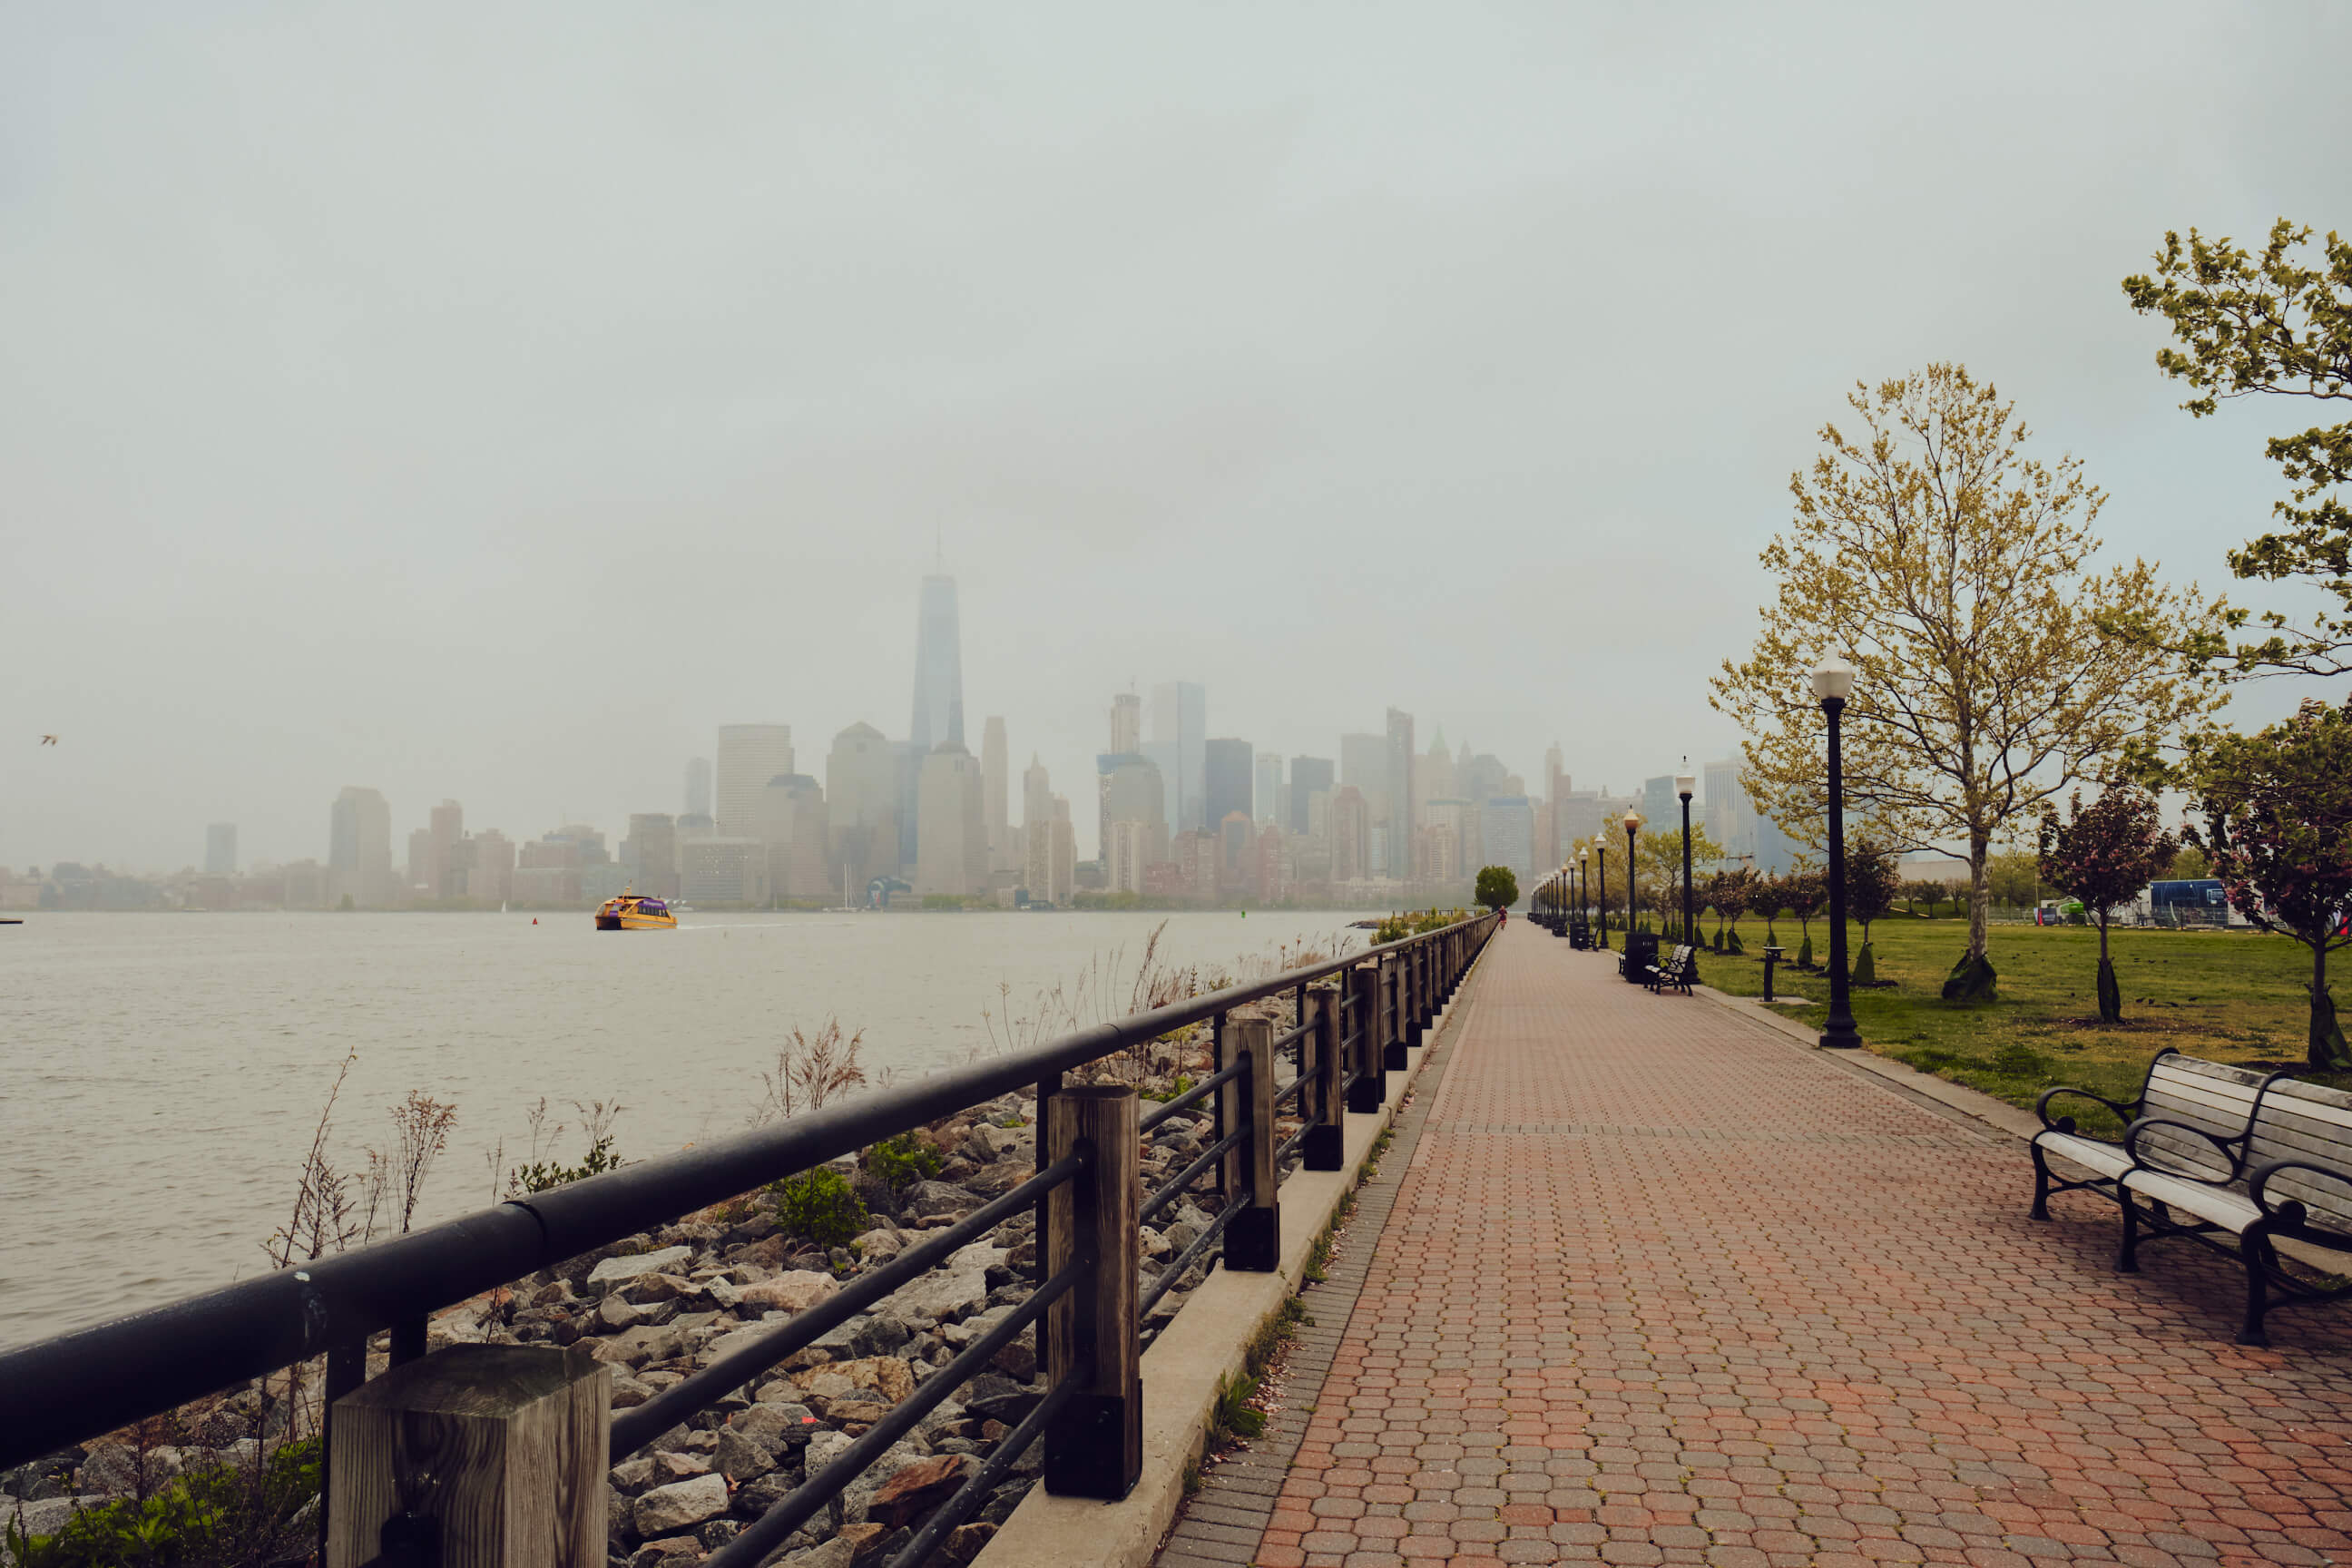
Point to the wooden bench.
(2213, 1100)
(1674, 972)
(2289, 1176)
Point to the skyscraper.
(1364, 763)
(995, 790)
(1227, 775)
(1179, 744)
(1036, 830)
(938, 668)
(792, 828)
(861, 791)
(1400, 818)
(748, 756)
(1309, 777)
(220, 850)
(1351, 835)
(1508, 830)
(1270, 807)
(1127, 725)
(653, 853)
(359, 845)
(697, 786)
(951, 853)
(444, 870)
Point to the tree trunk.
(2111, 995)
(1973, 978)
(2326, 1047)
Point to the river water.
(161, 1076)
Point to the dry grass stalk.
(811, 1068)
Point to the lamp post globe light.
(1584, 876)
(1832, 684)
(1685, 784)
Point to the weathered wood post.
(1253, 1239)
(1094, 1448)
(1392, 990)
(1416, 978)
(496, 1455)
(1325, 1145)
(1370, 1088)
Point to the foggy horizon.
(490, 407)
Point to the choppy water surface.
(161, 1075)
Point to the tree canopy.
(1496, 888)
(2275, 325)
(1956, 573)
(2112, 849)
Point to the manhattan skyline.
(1460, 371)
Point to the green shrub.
(540, 1176)
(217, 1513)
(900, 1162)
(819, 1207)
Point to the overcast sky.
(490, 402)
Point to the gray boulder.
(615, 1270)
(928, 1200)
(681, 1506)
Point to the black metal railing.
(1352, 1020)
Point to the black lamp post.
(1833, 683)
(1584, 876)
(1633, 821)
(1603, 848)
(1685, 784)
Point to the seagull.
(48, 740)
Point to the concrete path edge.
(1204, 1346)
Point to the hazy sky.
(489, 402)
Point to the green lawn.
(2233, 996)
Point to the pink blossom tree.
(2112, 849)
(2278, 831)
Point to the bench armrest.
(2292, 1210)
(2225, 1147)
(2066, 1123)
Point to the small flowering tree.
(2113, 849)
(2278, 832)
(1733, 893)
(1803, 892)
(1873, 887)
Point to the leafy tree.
(2015, 879)
(2113, 849)
(2278, 830)
(1659, 856)
(1873, 884)
(1804, 893)
(1956, 573)
(1733, 893)
(2278, 326)
(2189, 865)
(1496, 888)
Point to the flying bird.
(48, 740)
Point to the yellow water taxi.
(632, 912)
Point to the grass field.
(2233, 996)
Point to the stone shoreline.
(659, 1306)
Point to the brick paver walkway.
(1661, 1287)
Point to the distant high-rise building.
(938, 668)
(359, 845)
(1399, 769)
(1509, 828)
(1364, 763)
(1226, 779)
(220, 850)
(694, 826)
(1308, 776)
(1268, 804)
(698, 788)
(1351, 835)
(1555, 841)
(1433, 776)
(1037, 829)
(748, 756)
(489, 878)
(907, 768)
(792, 826)
(952, 855)
(1061, 865)
(1722, 799)
(1126, 853)
(995, 795)
(1179, 742)
(420, 862)
(722, 871)
(1130, 789)
(861, 791)
(1661, 806)
(653, 853)
(445, 871)
(1236, 849)
(1127, 725)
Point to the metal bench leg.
(2040, 1184)
(2127, 1260)
(2255, 1247)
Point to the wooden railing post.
(1416, 975)
(1392, 1054)
(1326, 1144)
(1253, 1239)
(496, 1453)
(1370, 1088)
(1093, 1448)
